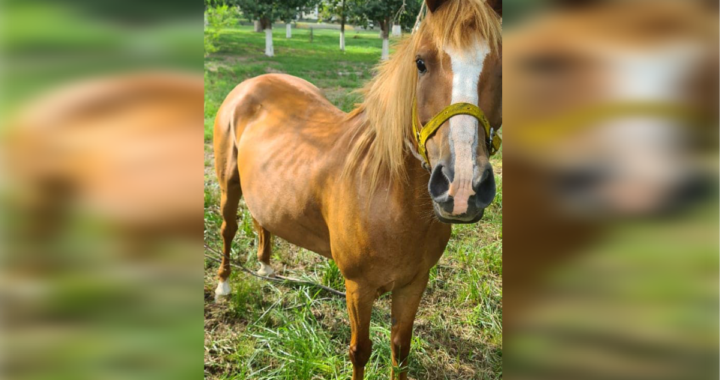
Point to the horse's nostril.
(579, 181)
(483, 179)
(439, 184)
(484, 188)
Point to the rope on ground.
(274, 278)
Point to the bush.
(218, 18)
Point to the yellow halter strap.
(424, 132)
(544, 133)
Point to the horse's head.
(458, 104)
(603, 99)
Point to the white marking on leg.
(265, 270)
(222, 289)
(466, 67)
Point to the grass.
(272, 331)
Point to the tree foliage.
(384, 13)
(268, 10)
(218, 18)
(334, 9)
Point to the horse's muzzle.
(445, 194)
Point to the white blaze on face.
(651, 75)
(644, 146)
(466, 67)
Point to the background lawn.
(275, 331)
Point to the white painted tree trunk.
(342, 40)
(269, 43)
(288, 30)
(258, 28)
(385, 49)
(205, 18)
(396, 30)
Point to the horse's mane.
(385, 115)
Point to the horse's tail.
(225, 147)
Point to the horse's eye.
(421, 65)
(549, 64)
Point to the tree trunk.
(385, 49)
(288, 30)
(269, 42)
(342, 26)
(258, 27)
(384, 26)
(266, 24)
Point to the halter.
(424, 132)
(545, 132)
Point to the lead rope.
(275, 278)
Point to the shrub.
(218, 18)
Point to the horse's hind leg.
(264, 249)
(229, 200)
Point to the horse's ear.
(432, 5)
(496, 5)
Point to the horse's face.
(630, 52)
(462, 182)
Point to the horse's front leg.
(405, 302)
(359, 303)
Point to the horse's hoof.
(265, 270)
(222, 290)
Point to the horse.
(362, 188)
(595, 132)
(86, 146)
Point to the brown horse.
(566, 190)
(109, 147)
(352, 187)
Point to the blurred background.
(101, 189)
(610, 165)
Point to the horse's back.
(280, 95)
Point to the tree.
(386, 12)
(266, 11)
(288, 10)
(217, 17)
(343, 10)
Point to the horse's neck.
(411, 192)
(414, 190)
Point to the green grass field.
(275, 331)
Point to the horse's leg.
(359, 304)
(229, 200)
(405, 303)
(264, 249)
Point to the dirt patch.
(226, 62)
